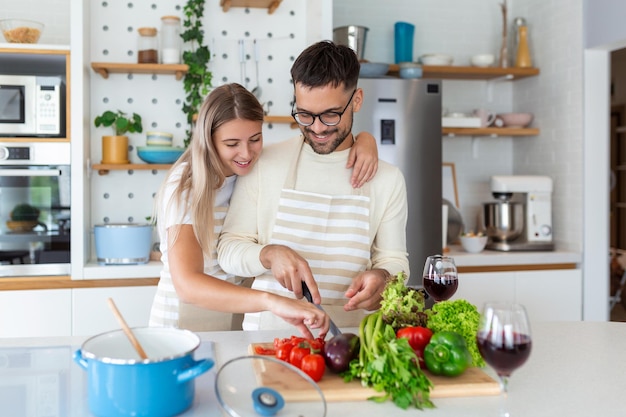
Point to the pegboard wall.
(127, 196)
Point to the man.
(296, 219)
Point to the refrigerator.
(404, 115)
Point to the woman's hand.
(301, 314)
(363, 157)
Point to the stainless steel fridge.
(405, 117)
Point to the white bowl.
(436, 59)
(483, 60)
(473, 244)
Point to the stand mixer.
(521, 217)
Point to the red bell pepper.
(418, 338)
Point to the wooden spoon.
(127, 330)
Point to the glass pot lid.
(265, 386)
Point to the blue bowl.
(159, 154)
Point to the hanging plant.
(197, 81)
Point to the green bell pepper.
(447, 354)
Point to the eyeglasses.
(329, 118)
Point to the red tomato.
(260, 350)
(418, 338)
(313, 365)
(283, 351)
(317, 345)
(298, 352)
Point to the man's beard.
(327, 147)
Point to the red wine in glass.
(504, 341)
(504, 357)
(440, 279)
(441, 287)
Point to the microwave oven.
(32, 106)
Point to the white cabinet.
(551, 295)
(91, 313)
(547, 295)
(35, 313)
(478, 288)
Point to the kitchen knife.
(334, 330)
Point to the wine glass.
(504, 341)
(440, 278)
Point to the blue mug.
(403, 42)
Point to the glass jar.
(170, 40)
(147, 46)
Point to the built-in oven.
(35, 215)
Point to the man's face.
(326, 139)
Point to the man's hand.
(366, 290)
(290, 270)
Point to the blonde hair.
(202, 171)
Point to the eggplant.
(340, 350)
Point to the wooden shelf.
(489, 131)
(453, 72)
(270, 5)
(452, 131)
(104, 169)
(281, 119)
(106, 68)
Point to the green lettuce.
(459, 316)
(402, 306)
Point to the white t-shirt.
(165, 307)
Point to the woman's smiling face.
(239, 144)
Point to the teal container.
(403, 41)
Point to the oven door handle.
(30, 172)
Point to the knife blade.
(334, 330)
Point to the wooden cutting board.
(473, 382)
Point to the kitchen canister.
(170, 40)
(121, 384)
(123, 243)
(403, 42)
(147, 46)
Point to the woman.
(193, 292)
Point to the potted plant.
(115, 147)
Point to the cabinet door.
(480, 287)
(35, 313)
(550, 295)
(92, 314)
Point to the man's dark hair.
(325, 63)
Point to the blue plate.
(159, 154)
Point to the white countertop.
(576, 369)
(497, 258)
(486, 258)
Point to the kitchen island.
(576, 369)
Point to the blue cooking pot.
(121, 384)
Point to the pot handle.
(78, 358)
(198, 369)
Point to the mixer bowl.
(504, 220)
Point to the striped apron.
(168, 310)
(332, 233)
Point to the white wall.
(465, 28)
